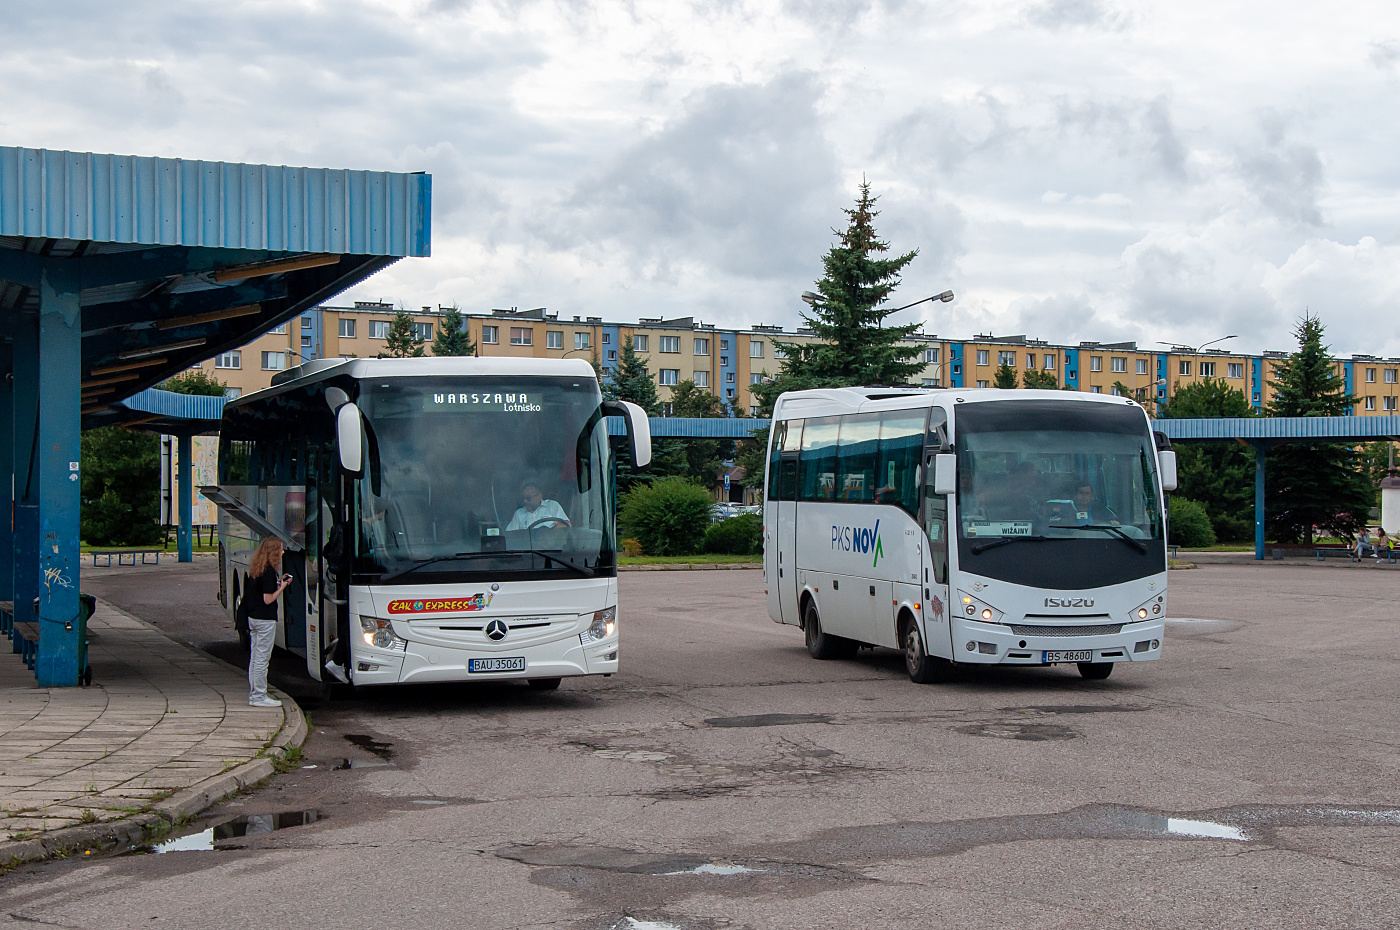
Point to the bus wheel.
(923, 668)
(545, 684)
(824, 645)
(1095, 671)
(334, 691)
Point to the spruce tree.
(402, 340)
(1218, 475)
(452, 338)
(1317, 485)
(629, 380)
(1005, 378)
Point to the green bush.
(1188, 525)
(120, 487)
(669, 516)
(741, 535)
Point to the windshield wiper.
(992, 544)
(1136, 543)
(583, 570)
(442, 558)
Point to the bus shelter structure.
(119, 271)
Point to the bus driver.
(536, 510)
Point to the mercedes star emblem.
(497, 630)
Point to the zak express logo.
(449, 605)
(862, 539)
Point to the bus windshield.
(484, 477)
(1079, 477)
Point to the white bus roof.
(821, 402)
(427, 366)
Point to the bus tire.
(1095, 671)
(545, 684)
(334, 691)
(923, 668)
(823, 645)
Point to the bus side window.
(897, 470)
(784, 472)
(817, 470)
(936, 529)
(775, 456)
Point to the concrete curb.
(694, 567)
(181, 806)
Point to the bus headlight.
(975, 609)
(380, 633)
(604, 625)
(1154, 609)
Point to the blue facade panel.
(955, 364)
(611, 337)
(1072, 368)
(1256, 382)
(173, 201)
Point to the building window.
(1234, 369)
(1030, 361)
(724, 361)
(1390, 375)
(639, 343)
(1118, 364)
(930, 356)
(1006, 358)
(1049, 362)
(755, 349)
(347, 329)
(729, 392)
(957, 369)
(1207, 369)
(756, 377)
(984, 384)
(671, 344)
(306, 320)
(670, 376)
(1390, 403)
(702, 379)
(612, 355)
(702, 347)
(1095, 390)
(1071, 375)
(729, 377)
(522, 336)
(553, 339)
(580, 340)
(983, 357)
(232, 359)
(1096, 363)
(1370, 376)
(232, 393)
(278, 330)
(1183, 368)
(607, 339)
(1370, 403)
(378, 329)
(490, 335)
(753, 410)
(930, 382)
(306, 340)
(274, 361)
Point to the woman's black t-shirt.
(264, 584)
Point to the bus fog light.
(1142, 613)
(986, 615)
(1156, 644)
(971, 647)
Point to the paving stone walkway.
(159, 718)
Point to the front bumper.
(996, 644)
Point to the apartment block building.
(730, 362)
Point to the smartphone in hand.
(286, 578)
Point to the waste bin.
(87, 603)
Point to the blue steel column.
(1260, 454)
(7, 464)
(24, 548)
(185, 475)
(60, 375)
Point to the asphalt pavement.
(725, 779)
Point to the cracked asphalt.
(724, 779)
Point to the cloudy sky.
(1074, 169)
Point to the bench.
(121, 555)
(1323, 551)
(1172, 550)
(26, 637)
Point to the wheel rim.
(814, 627)
(913, 648)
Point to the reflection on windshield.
(1057, 483)
(484, 476)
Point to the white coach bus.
(444, 519)
(971, 527)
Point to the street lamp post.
(812, 299)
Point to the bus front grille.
(1097, 630)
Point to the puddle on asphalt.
(344, 764)
(768, 720)
(710, 868)
(1205, 829)
(218, 835)
(371, 745)
(632, 923)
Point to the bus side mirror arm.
(1166, 467)
(350, 439)
(638, 429)
(945, 473)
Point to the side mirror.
(1166, 467)
(350, 440)
(638, 429)
(945, 473)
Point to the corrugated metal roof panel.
(173, 201)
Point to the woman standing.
(265, 586)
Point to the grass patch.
(708, 558)
(288, 761)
